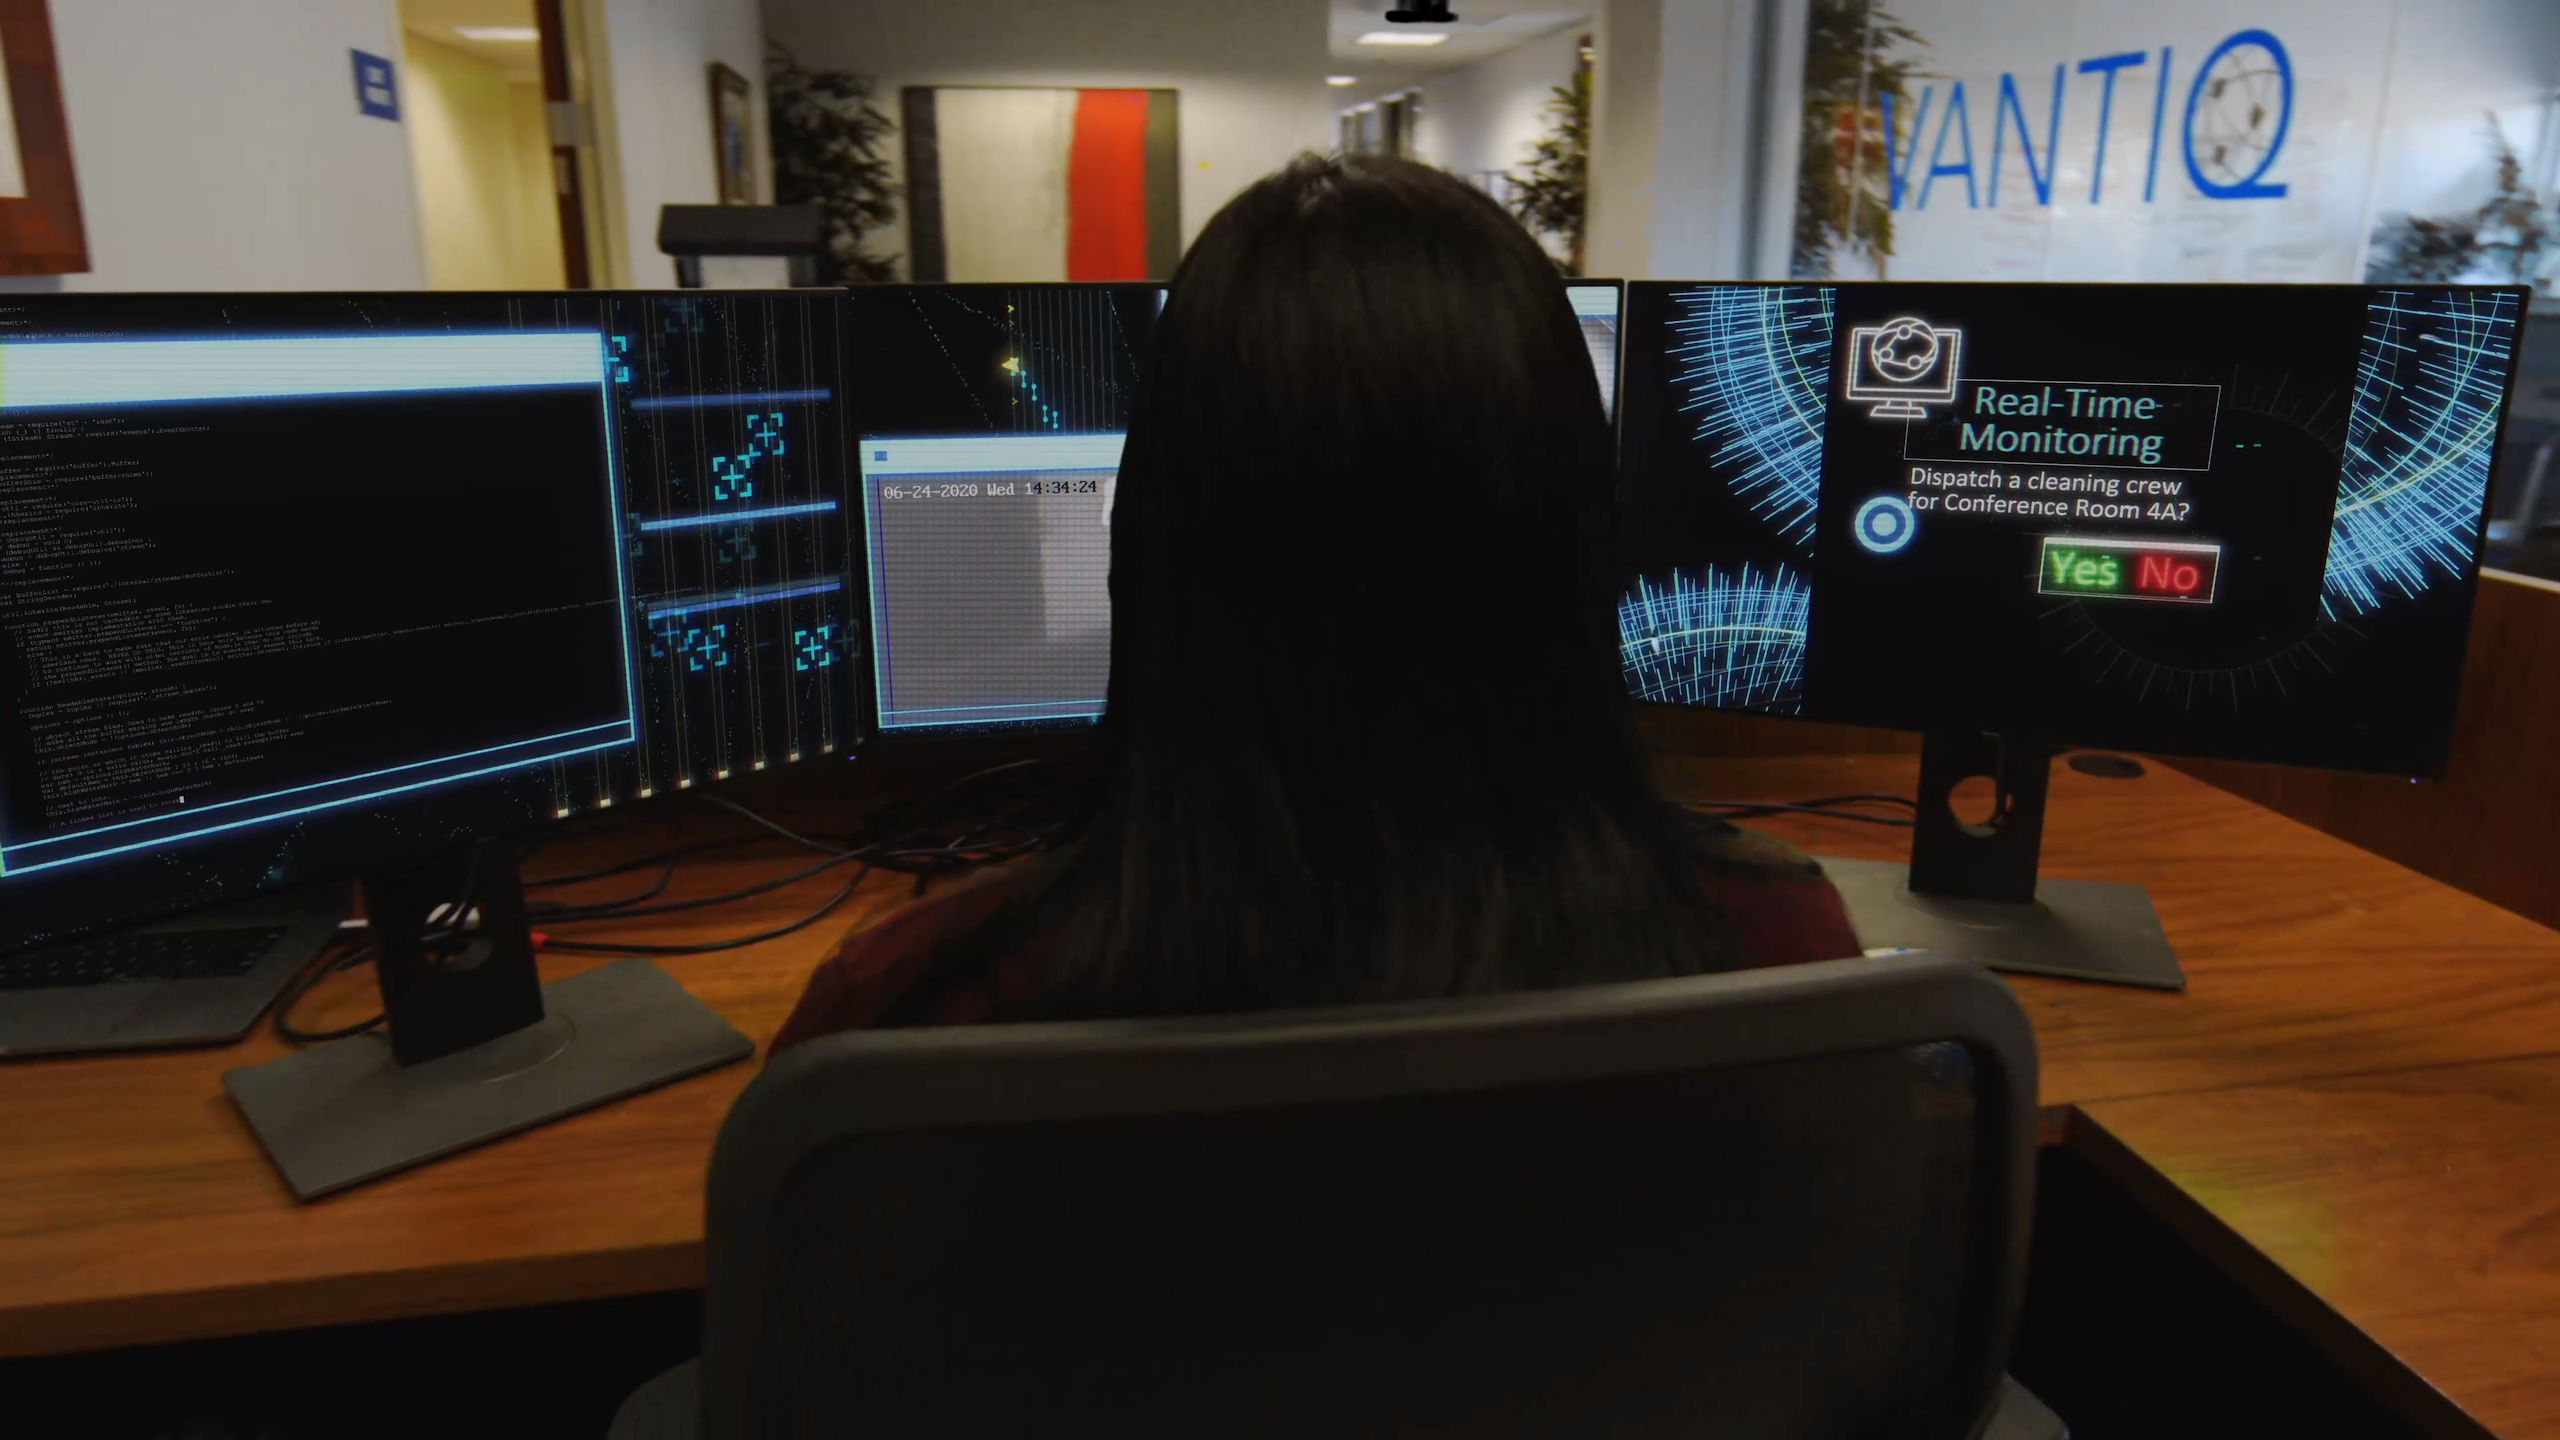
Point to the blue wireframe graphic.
(1754, 366)
(2419, 440)
(1732, 641)
(730, 477)
(620, 360)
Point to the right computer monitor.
(2225, 520)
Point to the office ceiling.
(1484, 28)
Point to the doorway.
(492, 144)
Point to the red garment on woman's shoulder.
(1781, 907)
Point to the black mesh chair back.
(1786, 1205)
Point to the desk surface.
(2417, 1207)
(135, 1206)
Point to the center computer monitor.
(991, 419)
(2211, 520)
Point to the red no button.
(2173, 576)
(2109, 568)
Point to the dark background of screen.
(929, 359)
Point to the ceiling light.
(1338, 81)
(497, 32)
(1404, 37)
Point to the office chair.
(1788, 1203)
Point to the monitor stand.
(1972, 890)
(477, 1047)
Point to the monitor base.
(340, 1114)
(2076, 929)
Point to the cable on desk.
(635, 947)
(323, 965)
(643, 862)
(1832, 806)
(568, 915)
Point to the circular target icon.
(1885, 524)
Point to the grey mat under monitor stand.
(346, 1112)
(2077, 929)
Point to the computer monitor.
(1596, 304)
(991, 419)
(303, 585)
(295, 587)
(2214, 520)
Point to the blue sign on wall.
(376, 95)
(2239, 108)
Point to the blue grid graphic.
(2420, 437)
(1732, 641)
(1753, 366)
(814, 649)
(699, 647)
(730, 479)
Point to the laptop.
(195, 980)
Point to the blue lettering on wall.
(2236, 90)
(1898, 173)
(2238, 113)
(2042, 179)
(2159, 112)
(2105, 68)
(1954, 119)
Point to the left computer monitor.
(298, 587)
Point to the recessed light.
(1338, 81)
(497, 32)
(1404, 37)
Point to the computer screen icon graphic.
(1902, 366)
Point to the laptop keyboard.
(149, 955)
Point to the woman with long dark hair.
(1366, 736)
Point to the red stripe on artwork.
(1107, 187)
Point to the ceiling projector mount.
(1423, 12)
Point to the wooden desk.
(2305, 956)
(135, 1207)
(2412, 1214)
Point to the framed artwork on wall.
(732, 122)
(1025, 184)
(40, 231)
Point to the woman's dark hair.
(1366, 735)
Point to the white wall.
(1488, 116)
(217, 147)
(1628, 71)
(1708, 128)
(1251, 72)
(654, 98)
